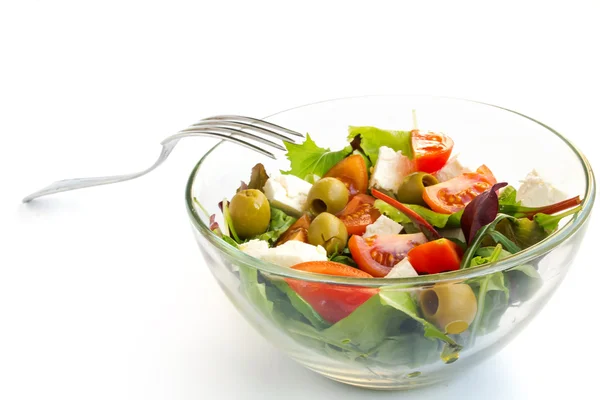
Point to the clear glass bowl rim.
(520, 258)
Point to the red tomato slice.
(352, 171)
(431, 149)
(454, 194)
(434, 257)
(377, 255)
(359, 213)
(332, 302)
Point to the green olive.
(451, 307)
(328, 231)
(411, 190)
(250, 213)
(327, 195)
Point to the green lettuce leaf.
(229, 223)
(371, 139)
(308, 158)
(508, 197)
(301, 305)
(402, 301)
(438, 220)
(523, 281)
(280, 222)
(254, 291)
(411, 350)
(492, 295)
(359, 332)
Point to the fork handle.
(167, 147)
(80, 183)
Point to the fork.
(226, 127)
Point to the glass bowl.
(388, 345)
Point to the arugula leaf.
(417, 220)
(478, 239)
(402, 301)
(498, 237)
(519, 211)
(521, 231)
(480, 211)
(229, 222)
(280, 222)
(438, 220)
(550, 222)
(308, 158)
(229, 240)
(371, 139)
(344, 259)
(488, 251)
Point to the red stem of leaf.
(419, 221)
(554, 208)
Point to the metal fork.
(226, 127)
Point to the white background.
(103, 293)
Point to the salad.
(390, 204)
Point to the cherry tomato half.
(431, 150)
(454, 194)
(332, 302)
(378, 254)
(352, 170)
(434, 257)
(358, 213)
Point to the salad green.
(337, 213)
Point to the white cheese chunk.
(287, 255)
(390, 169)
(402, 270)
(294, 252)
(535, 192)
(255, 248)
(451, 169)
(288, 193)
(383, 226)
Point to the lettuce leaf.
(308, 158)
(523, 281)
(402, 301)
(280, 222)
(371, 139)
(492, 295)
(301, 305)
(508, 197)
(436, 219)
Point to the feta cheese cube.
(383, 226)
(403, 269)
(390, 169)
(535, 192)
(255, 248)
(294, 252)
(451, 169)
(288, 193)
